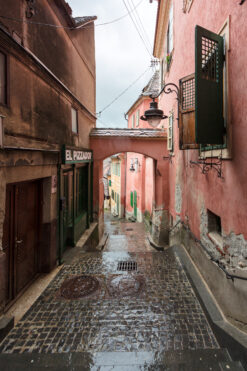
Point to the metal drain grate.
(129, 229)
(127, 266)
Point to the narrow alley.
(128, 307)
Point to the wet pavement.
(129, 298)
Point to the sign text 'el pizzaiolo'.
(76, 155)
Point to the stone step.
(199, 360)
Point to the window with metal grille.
(188, 93)
(187, 138)
(209, 120)
(127, 266)
(210, 68)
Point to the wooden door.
(21, 235)
(26, 233)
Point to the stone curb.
(228, 335)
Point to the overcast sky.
(121, 56)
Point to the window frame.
(6, 78)
(73, 109)
(137, 118)
(133, 121)
(223, 151)
(170, 131)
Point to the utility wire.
(124, 91)
(138, 24)
(69, 28)
(141, 24)
(137, 28)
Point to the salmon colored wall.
(225, 197)
(143, 104)
(149, 184)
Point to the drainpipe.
(60, 216)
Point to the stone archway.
(149, 142)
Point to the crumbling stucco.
(233, 253)
(178, 198)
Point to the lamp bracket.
(167, 89)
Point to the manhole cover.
(127, 266)
(122, 286)
(78, 287)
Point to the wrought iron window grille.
(208, 164)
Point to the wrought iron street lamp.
(154, 115)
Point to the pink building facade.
(207, 183)
(140, 169)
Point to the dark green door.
(68, 208)
(135, 204)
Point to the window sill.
(224, 154)
(217, 239)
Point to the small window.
(133, 121)
(137, 118)
(214, 223)
(170, 133)
(170, 32)
(187, 5)
(3, 79)
(74, 119)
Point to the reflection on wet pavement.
(152, 309)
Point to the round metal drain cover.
(126, 285)
(79, 287)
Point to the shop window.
(201, 97)
(81, 191)
(3, 79)
(74, 120)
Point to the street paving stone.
(151, 309)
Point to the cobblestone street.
(150, 309)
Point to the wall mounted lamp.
(132, 167)
(154, 115)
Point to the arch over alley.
(149, 142)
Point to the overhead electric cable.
(136, 28)
(136, 20)
(135, 11)
(124, 91)
(68, 28)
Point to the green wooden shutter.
(131, 199)
(208, 87)
(109, 182)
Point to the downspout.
(60, 216)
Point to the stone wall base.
(231, 296)
(160, 227)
